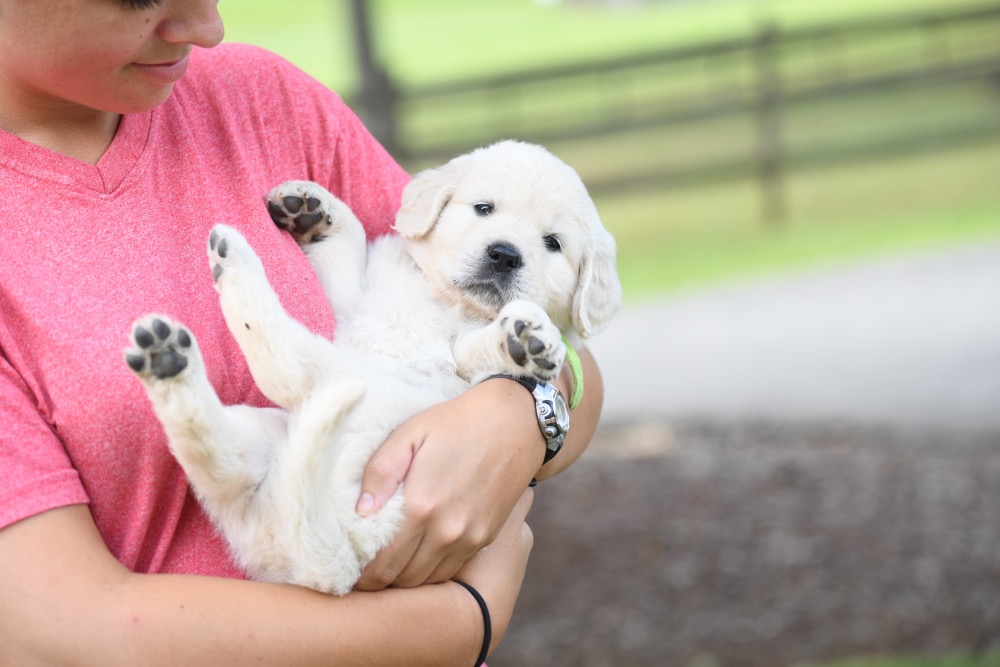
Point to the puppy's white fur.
(455, 297)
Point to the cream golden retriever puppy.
(500, 253)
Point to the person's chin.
(145, 99)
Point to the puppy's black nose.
(504, 258)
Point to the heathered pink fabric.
(87, 249)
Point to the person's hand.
(465, 463)
(497, 571)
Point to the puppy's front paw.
(303, 208)
(160, 348)
(532, 341)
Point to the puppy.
(500, 253)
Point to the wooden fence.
(758, 80)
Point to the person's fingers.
(436, 561)
(421, 567)
(384, 473)
(385, 568)
(446, 570)
(520, 511)
(447, 543)
(472, 543)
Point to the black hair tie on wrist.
(487, 625)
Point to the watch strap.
(528, 383)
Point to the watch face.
(553, 415)
(562, 413)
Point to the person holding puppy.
(124, 137)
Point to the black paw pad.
(535, 346)
(306, 221)
(136, 362)
(298, 215)
(157, 354)
(220, 246)
(161, 329)
(144, 338)
(545, 363)
(167, 364)
(517, 351)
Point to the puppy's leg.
(331, 438)
(521, 341)
(313, 498)
(285, 358)
(331, 237)
(225, 451)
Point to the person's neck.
(75, 131)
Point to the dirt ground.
(758, 545)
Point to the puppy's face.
(512, 222)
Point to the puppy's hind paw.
(533, 342)
(230, 255)
(160, 348)
(303, 208)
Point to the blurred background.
(799, 462)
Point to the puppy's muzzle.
(496, 278)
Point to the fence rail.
(758, 80)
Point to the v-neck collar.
(106, 178)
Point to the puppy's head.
(512, 221)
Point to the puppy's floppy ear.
(425, 197)
(598, 291)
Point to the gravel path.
(700, 545)
(812, 471)
(906, 341)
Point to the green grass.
(435, 40)
(672, 239)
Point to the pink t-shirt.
(86, 249)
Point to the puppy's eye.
(552, 244)
(483, 209)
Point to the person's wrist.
(551, 413)
(521, 420)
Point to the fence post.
(769, 120)
(377, 96)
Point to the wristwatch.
(551, 411)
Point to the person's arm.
(465, 462)
(64, 599)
